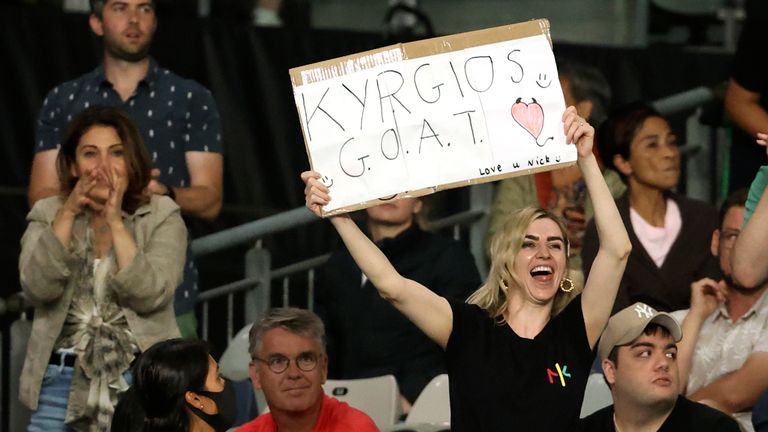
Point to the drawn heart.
(529, 116)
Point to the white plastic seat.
(597, 395)
(233, 364)
(433, 405)
(379, 397)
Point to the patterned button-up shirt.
(175, 116)
(723, 347)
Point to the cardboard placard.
(411, 119)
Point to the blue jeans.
(52, 406)
(54, 393)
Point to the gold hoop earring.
(504, 286)
(566, 285)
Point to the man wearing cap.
(638, 351)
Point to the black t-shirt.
(749, 62)
(686, 416)
(749, 66)
(503, 382)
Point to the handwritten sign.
(416, 118)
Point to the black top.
(367, 336)
(749, 62)
(686, 416)
(749, 65)
(503, 382)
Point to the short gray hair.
(586, 82)
(297, 321)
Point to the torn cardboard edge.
(341, 66)
(352, 63)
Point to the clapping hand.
(117, 183)
(154, 186)
(79, 197)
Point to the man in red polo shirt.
(289, 364)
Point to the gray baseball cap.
(629, 323)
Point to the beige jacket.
(145, 288)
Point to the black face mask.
(226, 404)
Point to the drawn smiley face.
(326, 181)
(543, 82)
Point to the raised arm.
(45, 261)
(706, 293)
(148, 281)
(743, 106)
(428, 311)
(750, 263)
(608, 267)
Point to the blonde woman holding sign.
(518, 352)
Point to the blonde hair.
(505, 244)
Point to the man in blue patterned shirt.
(177, 117)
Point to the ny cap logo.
(643, 309)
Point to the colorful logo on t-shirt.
(561, 374)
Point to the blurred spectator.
(100, 262)
(746, 99)
(724, 356)
(563, 191)
(670, 233)
(289, 364)
(368, 336)
(177, 118)
(266, 13)
(638, 355)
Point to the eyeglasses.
(306, 362)
(728, 237)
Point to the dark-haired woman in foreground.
(100, 263)
(178, 385)
(519, 353)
